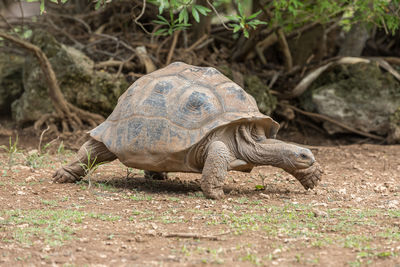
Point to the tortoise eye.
(303, 156)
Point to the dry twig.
(285, 50)
(196, 235)
(325, 118)
(173, 45)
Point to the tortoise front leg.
(74, 171)
(215, 169)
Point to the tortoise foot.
(309, 177)
(212, 193)
(63, 176)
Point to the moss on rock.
(359, 95)
(259, 90)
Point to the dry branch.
(145, 59)
(285, 50)
(325, 118)
(173, 45)
(303, 85)
(196, 235)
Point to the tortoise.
(184, 118)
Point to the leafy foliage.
(291, 14)
(244, 23)
(182, 8)
(175, 15)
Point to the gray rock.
(361, 96)
(81, 85)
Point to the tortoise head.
(295, 157)
(258, 149)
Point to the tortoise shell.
(170, 110)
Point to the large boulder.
(10, 80)
(81, 85)
(360, 95)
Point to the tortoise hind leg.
(155, 175)
(74, 171)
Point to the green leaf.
(42, 7)
(160, 22)
(246, 33)
(203, 10)
(183, 15)
(161, 7)
(163, 19)
(259, 187)
(240, 8)
(161, 32)
(98, 4)
(254, 15)
(233, 17)
(195, 14)
(236, 28)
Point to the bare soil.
(119, 218)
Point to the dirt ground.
(119, 218)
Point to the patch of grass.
(140, 197)
(11, 150)
(106, 187)
(53, 227)
(36, 160)
(394, 213)
(392, 233)
(52, 203)
(357, 241)
(250, 257)
(105, 217)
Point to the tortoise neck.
(267, 152)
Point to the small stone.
(393, 204)
(32, 152)
(342, 191)
(264, 196)
(380, 188)
(21, 193)
(359, 199)
(320, 204)
(151, 233)
(139, 239)
(319, 213)
(29, 179)
(155, 226)
(276, 251)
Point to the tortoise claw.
(63, 176)
(309, 177)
